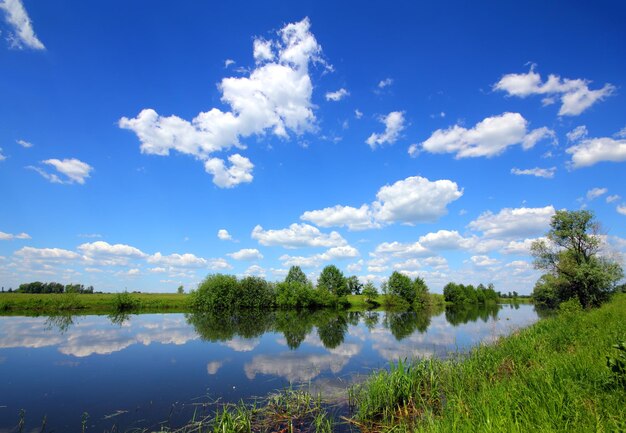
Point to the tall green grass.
(551, 377)
(97, 302)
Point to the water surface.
(143, 370)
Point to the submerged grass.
(551, 377)
(289, 410)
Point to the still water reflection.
(127, 371)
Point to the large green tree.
(570, 256)
(296, 275)
(333, 280)
(401, 285)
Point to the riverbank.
(552, 376)
(31, 303)
(92, 303)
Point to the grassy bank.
(139, 302)
(549, 377)
(97, 303)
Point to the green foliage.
(402, 286)
(570, 257)
(571, 306)
(254, 292)
(354, 285)
(124, 301)
(332, 280)
(295, 275)
(422, 297)
(460, 294)
(370, 293)
(180, 290)
(545, 292)
(617, 365)
(218, 292)
(39, 287)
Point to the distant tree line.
(468, 294)
(227, 292)
(39, 287)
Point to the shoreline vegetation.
(227, 293)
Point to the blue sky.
(145, 145)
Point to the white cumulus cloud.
(511, 222)
(9, 236)
(415, 199)
(575, 95)
(74, 170)
(394, 124)
(46, 254)
(342, 216)
(297, 236)
(490, 137)
(23, 35)
(223, 235)
(411, 200)
(240, 171)
(337, 95)
(275, 97)
(246, 254)
(590, 151)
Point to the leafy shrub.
(571, 306)
(124, 301)
(216, 293)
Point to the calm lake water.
(151, 368)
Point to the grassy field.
(98, 302)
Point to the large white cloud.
(275, 97)
(104, 254)
(514, 223)
(411, 200)
(342, 216)
(415, 199)
(246, 254)
(590, 151)
(23, 35)
(574, 94)
(394, 124)
(47, 254)
(297, 236)
(489, 137)
(75, 170)
(446, 240)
